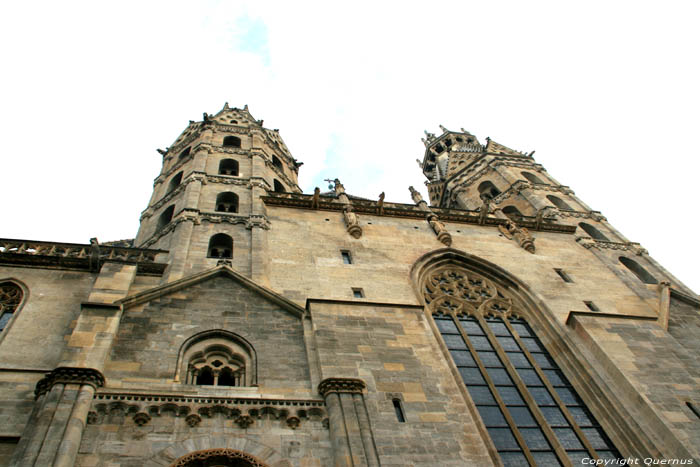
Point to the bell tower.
(206, 206)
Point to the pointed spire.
(444, 130)
(226, 106)
(245, 107)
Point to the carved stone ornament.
(193, 419)
(352, 222)
(454, 291)
(439, 228)
(69, 375)
(141, 418)
(244, 421)
(519, 234)
(225, 262)
(347, 385)
(293, 422)
(218, 457)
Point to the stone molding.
(244, 412)
(588, 243)
(217, 456)
(521, 185)
(345, 385)
(594, 215)
(69, 375)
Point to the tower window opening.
(278, 187)
(591, 306)
(358, 293)
(165, 218)
(400, 416)
(234, 121)
(228, 167)
(10, 298)
(594, 233)
(347, 259)
(227, 202)
(174, 182)
(638, 270)
(220, 246)
(185, 152)
(276, 162)
(488, 190)
(564, 276)
(693, 408)
(217, 358)
(232, 142)
(531, 177)
(558, 202)
(513, 213)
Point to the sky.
(606, 93)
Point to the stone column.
(54, 431)
(350, 432)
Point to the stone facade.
(248, 323)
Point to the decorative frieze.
(143, 408)
(594, 215)
(588, 243)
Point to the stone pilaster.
(350, 432)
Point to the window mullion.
(525, 393)
(501, 405)
(553, 392)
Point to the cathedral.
(499, 322)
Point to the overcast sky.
(605, 92)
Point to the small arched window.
(558, 202)
(185, 152)
(232, 142)
(638, 270)
(276, 162)
(488, 190)
(513, 213)
(531, 177)
(594, 233)
(217, 358)
(228, 167)
(166, 217)
(227, 202)
(220, 246)
(10, 299)
(174, 182)
(279, 188)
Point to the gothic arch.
(232, 445)
(501, 343)
(218, 458)
(224, 342)
(13, 295)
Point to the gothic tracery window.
(531, 411)
(217, 358)
(10, 298)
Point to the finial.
(444, 130)
(245, 107)
(205, 117)
(381, 196)
(162, 152)
(417, 198)
(420, 164)
(225, 105)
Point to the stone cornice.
(55, 255)
(594, 215)
(346, 385)
(69, 375)
(301, 201)
(521, 185)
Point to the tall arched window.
(529, 408)
(279, 188)
(638, 270)
(531, 177)
(165, 218)
(217, 358)
(10, 299)
(232, 141)
(593, 232)
(220, 246)
(174, 182)
(558, 202)
(228, 167)
(227, 202)
(185, 152)
(513, 213)
(488, 189)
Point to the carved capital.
(347, 385)
(69, 375)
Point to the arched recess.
(593, 232)
(174, 182)
(494, 332)
(232, 142)
(278, 187)
(184, 447)
(218, 458)
(222, 343)
(531, 177)
(558, 202)
(220, 246)
(513, 213)
(638, 270)
(165, 218)
(226, 202)
(228, 167)
(13, 295)
(488, 189)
